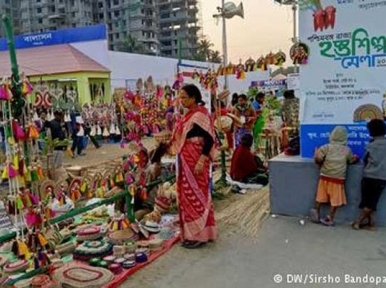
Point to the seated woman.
(246, 167)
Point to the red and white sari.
(197, 221)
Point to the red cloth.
(197, 222)
(243, 163)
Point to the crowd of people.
(195, 140)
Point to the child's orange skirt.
(331, 190)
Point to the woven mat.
(79, 275)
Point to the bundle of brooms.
(247, 213)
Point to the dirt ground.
(107, 152)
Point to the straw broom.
(248, 213)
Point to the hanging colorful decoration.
(299, 53)
(262, 63)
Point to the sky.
(266, 27)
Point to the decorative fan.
(280, 58)
(270, 59)
(250, 65)
(224, 123)
(299, 53)
(367, 112)
(260, 63)
(74, 189)
(61, 186)
(45, 187)
(139, 84)
(98, 177)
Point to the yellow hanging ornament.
(23, 250)
(21, 180)
(42, 240)
(4, 175)
(16, 162)
(27, 175)
(11, 141)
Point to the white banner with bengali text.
(343, 80)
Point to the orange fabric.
(331, 190)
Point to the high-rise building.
(159, 26)
(137, 18)
(11, 8)
(46, 15)
(179, 27)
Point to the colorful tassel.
(27, 176)
(36, 263)
(34, 175)
(143, 195)
(21, 167)
(19, 203)
(4, 175)
(42, 240)
(83, 187)
(119, 178)
(15, 162)
(17, 131)
(3, 93)
(12, 173)
(30, 218)
(40, 172)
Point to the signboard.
(270, 84)
(293, 81)
(65, 36)
(342, 81)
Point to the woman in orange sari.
(193, 140)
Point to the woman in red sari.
(193, 140)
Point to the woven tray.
(121, 236)
(80, 276)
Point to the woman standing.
(246, 116)
(193, 140)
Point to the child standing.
(374, 174)
(333, 159)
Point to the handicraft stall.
(67, 233)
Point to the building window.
(117, 36)
(116, 13)
(40, 20)
(116, 2)
(39, 10)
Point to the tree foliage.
(131, 45)
(205, 52)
